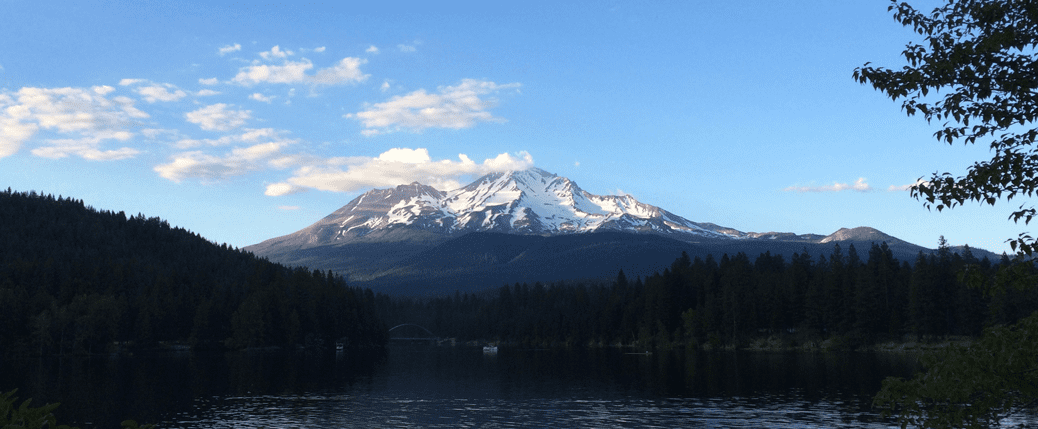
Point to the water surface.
(429, 386)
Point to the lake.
(410, 385)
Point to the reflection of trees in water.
(151, 387)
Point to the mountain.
(529, 202)
(522, 226)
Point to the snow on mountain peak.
(531, 201)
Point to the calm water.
(427, 386)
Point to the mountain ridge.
(386, 236)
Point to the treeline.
(74, 279)
(839, 297)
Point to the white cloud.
(153, 91)
(84, 115)
(253, 150)
(87, 147)
(453, 107)
(385, 86)
(406, 48)
(346, 71)
(393, 167)
(126, 105)
(276, 52)
(13, 133)
(210, 81)
(160, 92)
(260, 97)
(207, 92)
(279, 189)
(372, 49)
(218, 117)
(319, 49)
(859, 185)
(229, 48)
(290, 72)
(240, 160)
(247, 136)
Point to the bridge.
(432, 338)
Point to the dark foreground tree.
(977, 74)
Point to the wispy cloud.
(209, 168)
(393, 167)
(859, 185)
(248, 136)
(218, 117)
(276, 52)
(252, 149)
(85, 117)
(153, 92)
(161, 92)
(455, 107)
(209, 81)
(260, 97)
(346, 71)
(372, 49)
(229, 48)
(406, 48)
(87, 147)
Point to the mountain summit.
(527, 202)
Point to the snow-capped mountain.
(529, 202)
(527, 225)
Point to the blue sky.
(242, 122)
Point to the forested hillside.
(842, 297)
(74, 279)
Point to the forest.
(75, 280)
(842, 298)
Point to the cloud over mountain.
(455, 107)
(392, 167)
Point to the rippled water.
(424, 386)
(379, 411)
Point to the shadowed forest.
(77, 280)
(844, 299)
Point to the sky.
(246, 121)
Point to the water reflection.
(428, 386)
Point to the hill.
(75, 279)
